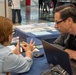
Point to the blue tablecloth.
(50, 34)
(39, 65)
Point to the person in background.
(55, 3)
(45, 4)
(16, 9)
(13, 61)
(40, 4)
(48, 5)
(65, 18)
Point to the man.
(40, 4)
(45, 6)
(65, 18)
(16, 9)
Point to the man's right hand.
(72, 53)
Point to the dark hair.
(66, 11)
(6, 27)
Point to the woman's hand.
(16, 51)
(28, 48)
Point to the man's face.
(61, 24)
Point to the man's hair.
(66, 11)
(5, 29)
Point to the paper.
(24, 27)
(36, 50)
(39, 46)
(38, 27)
(12, 47)
(54, 30)
(41, 33)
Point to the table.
(40, 31)
(39, 64)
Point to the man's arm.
(72, 53)
(60, 41)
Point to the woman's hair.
(66, 11)
(6, 28)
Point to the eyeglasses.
(60, 21)
(13, 32)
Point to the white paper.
(36, 50)
(54, 30)
(24, 26)
(41, 33)
(12, 47)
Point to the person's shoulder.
(65, 35)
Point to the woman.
(13, 61)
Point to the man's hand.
(72, 53)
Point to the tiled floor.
(31, 14)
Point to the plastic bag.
(55, 70)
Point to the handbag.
(51, 4)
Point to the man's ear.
(70, 20)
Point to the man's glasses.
(60, 21)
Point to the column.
(28, 2)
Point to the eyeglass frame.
(60, 21)
(13, 32)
